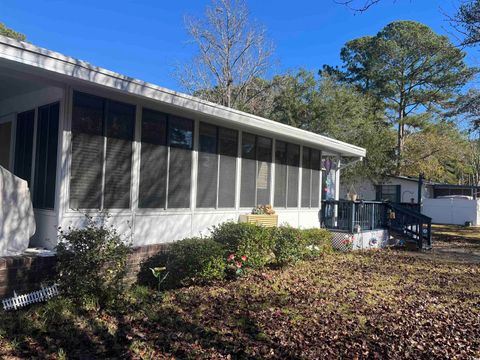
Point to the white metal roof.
(53, 62)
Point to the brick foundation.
(27, 272)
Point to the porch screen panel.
(207, 167)
(293, 161)
(306, 177)
(180, 138)
(5, 143)
(249, 166)
(120, 123)
(24, 145)
(87, 152)
(280, 194)
(227, 148)
(264, 158)
(316, 167)
(46, 157)
(154, 160)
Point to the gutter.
(31, 55)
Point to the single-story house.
(399, 189)
(163, 164)
(444, 203)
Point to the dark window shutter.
(378, 192)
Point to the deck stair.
(409, 225)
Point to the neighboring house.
(444, 203)
(163, 164)
(399, 189)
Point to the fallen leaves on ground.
(378, 304)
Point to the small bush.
(195, 260)
(289, 245)
(318, 241)
(92, 264)
(243, 239)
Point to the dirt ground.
(454, 243)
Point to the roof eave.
(37, 57)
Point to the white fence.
(19, 301)
(452, 211)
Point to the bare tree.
(360, 6)
(233, 54)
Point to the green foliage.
(410, 68)
(5, 31)
(290, 245)
(318, 241)
(195, 260)
(254, 242)
(92, 264)
(440, 152)
(467, 22)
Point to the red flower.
(231, 257)
(244, 258)
(238, 264)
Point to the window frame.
(311, 168)
(270, 181)
(103, 133)
(288, 166)
(219, 154)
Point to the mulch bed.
(379, 304)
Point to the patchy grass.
(385, 304)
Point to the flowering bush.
(236, 265)
(348, 243)
(318, 241)
(250, 240)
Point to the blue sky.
(145, 39)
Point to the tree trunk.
(401, 136)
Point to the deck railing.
(353, 216)
(357, 216)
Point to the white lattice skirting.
(19, 301)
(346, 241)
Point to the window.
(154, 160)
(180, 139)
(102, 135)
(24, 145)
(5, 143)
(388, 193)
(287, 159)
(207, 166)
(216, 167)
(46, 157)
(256, 172)
(166, 161)
(310, 177)
(227, 149)
(119, 129)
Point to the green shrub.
(289, 245)
(92, 263)
(318, 241)
(243, 239)
(195, 260)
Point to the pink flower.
(238, 264)
(244, 258)
(231, 257)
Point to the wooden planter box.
(264, 220)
